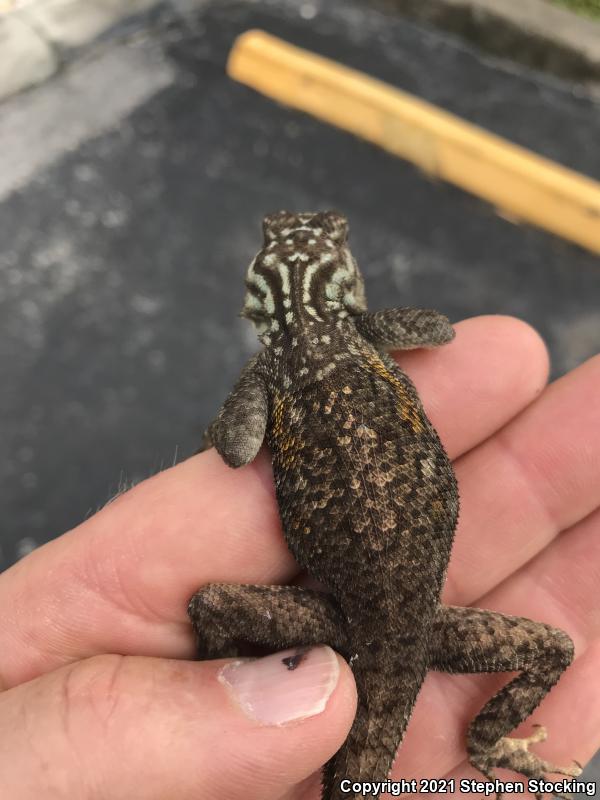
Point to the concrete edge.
(41, 36)
(536, 33)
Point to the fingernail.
(283, 687)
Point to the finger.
(470, 388)
(570, 712)
(537, 476)
(121, 581)
(571, 715)
(559, 586)
(147, 728)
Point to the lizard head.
(304, 275)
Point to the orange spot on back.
(408, 410)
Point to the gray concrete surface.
(25, 57)
(131, 192)
(73, 23)
(38, 37)
(26, 149)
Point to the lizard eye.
(253, 316)
(274, 223)
(335, 226)
(261, 322)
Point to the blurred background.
(134, 175)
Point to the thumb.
(154, 729)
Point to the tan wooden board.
(522, 184)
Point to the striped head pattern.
(304, 275)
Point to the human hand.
(99, 702)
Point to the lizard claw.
(514, 754)
(572, 772)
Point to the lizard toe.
(514, 754)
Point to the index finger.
(120, 582)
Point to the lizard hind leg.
(473, 640)
(230, 619)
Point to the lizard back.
(361, 476)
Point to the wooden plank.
(519, 182)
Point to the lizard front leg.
(229, 617)
(473, 640)
(404, 328)
(239, 428)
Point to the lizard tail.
(388, 684)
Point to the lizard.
(368, 502)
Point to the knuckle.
(93, 693)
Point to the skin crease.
(528, 465)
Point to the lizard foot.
(514, 754)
